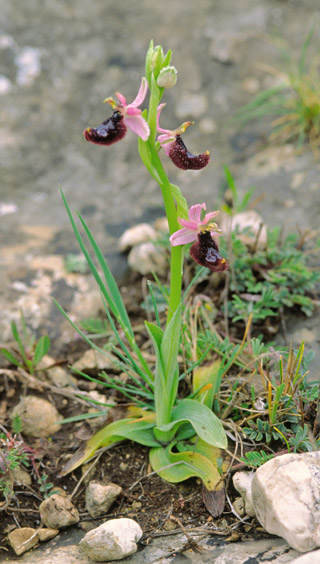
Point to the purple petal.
(192, 225)
(122, 99)
(182, 237)
(138, 125)
(209, 216)
(141, 94)
(160, 129)
(195, 213)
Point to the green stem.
(176, 252)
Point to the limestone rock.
(285, 494)
(100, 497)
(141, 233)
(308, 558)
(95, 360)
(242, 482)
(257, 233)
(57, 512)
(57, 375)
(39, 418)
(113, 540)
(47, 534)
(147, 258)
(21, 476)
(22, 539)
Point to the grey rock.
(285, 494)
(100, 497)
(58, 512)
(113, 540)
(39, 417)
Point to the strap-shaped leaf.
(179, 466)
(205, 423)
(138, 431)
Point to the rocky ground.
(59, 61)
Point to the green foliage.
(265, 281)
(13, 453)
(294, 102)
(254, 459)
(75, 263)
(29, 352)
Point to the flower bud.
(167, 77)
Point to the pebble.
(22, 539)
(58, 512)
(242, 482)
(100, 497)
(38, 416)
(140, 233)
(113, 540)
(47, 534)
(147, 258)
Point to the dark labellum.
(205, 251)
(109, 132)
(182, 158)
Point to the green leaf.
(42, 347)
(135, 430)
(205, 423)
(17, 338)
(182, 206)
(110, 292)
(206, 382)
(9, 356)
(177, 467)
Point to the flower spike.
(174, 147)
(204, 250)
(125, 116)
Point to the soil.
(159, 507)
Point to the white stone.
(286, 497)
(308, 558)
(140, 233)
(39, 417)
(95, 360)
(257, 237)
(113, 540)
(57, 512)
(242, 482)
(100, 497)
(147, 258)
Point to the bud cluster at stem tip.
(156, 62)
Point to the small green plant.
(294, 102)
(279, 413)
(13, 453)
(75, 263)
(254, 459)
(266, 281)
(45, 487)
(29, 351)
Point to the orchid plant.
(184, 435)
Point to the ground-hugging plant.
(294, 101)
(184, 435)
